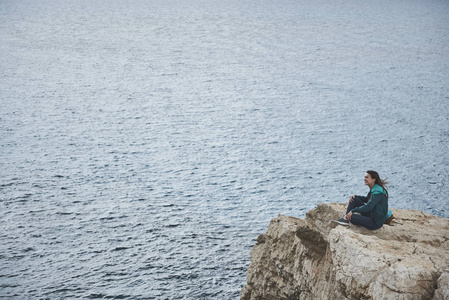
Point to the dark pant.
(364, 219)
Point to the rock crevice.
(317, 259)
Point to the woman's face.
(369, 181)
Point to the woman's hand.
(351, 198)
(348, 216)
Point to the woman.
(373, 208)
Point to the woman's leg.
(353, 204)
(364, 221)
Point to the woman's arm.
(364, 198)
(373, 200)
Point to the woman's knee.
(355, 203)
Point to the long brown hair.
(380, 182)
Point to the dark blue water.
(146, 144)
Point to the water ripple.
(144, 147)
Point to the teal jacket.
(376, 203)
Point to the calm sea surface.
(146, 144)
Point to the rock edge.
(318, 259)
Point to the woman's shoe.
(342, 221)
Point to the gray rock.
(318, 259)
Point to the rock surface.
(318, 259)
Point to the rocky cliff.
(318, 259)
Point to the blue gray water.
(146, 144)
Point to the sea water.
(146, 144)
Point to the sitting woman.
(372, 209)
